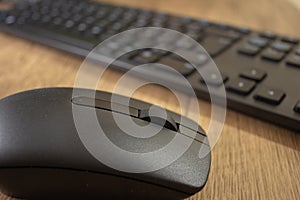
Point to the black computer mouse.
(42, 155)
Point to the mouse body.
(43, 157)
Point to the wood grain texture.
(252, 159)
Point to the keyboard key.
(249, 49)
(167, 38)
(297, 107)
(184, 43)
(215, 45)
(193, 27)
(89, 10)
(21, 20)
(96, 30)
(113, 45)
(175, 27)
(146, 57)
(117, 26)
(268, 35)
(298, 51)
(273, 55)
(229, 33)
(203, 23)
(157, 23)
(149, 34)
(44, 10)
(260, 42)
(57, 21)
(290, 40)
(77, 17)
(89, 20)
(22, 5)
(293, 60)
(270, 96)
(145, 42)
(25, 14)
(192, 56)
(46, 19)
(254, 74)
(281, 46)
(102, 24)
(181, 66)
(214, 79)
(10, 20)
(54, 13)
(240, 86)
(100, 14)
(222, 26)
(81, 27)
(244, 30)
(69, 24)
(35, 17)
(65, 15)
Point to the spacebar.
(59, 37)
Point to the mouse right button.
(192, 134)
(191, 124)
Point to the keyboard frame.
(278, 115)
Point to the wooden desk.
(252, 160)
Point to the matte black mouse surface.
(43, 157)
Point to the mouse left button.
(155, 116)
(105, 105)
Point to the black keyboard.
(260, 70)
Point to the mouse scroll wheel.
(158, 116)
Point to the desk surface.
(252, 159)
